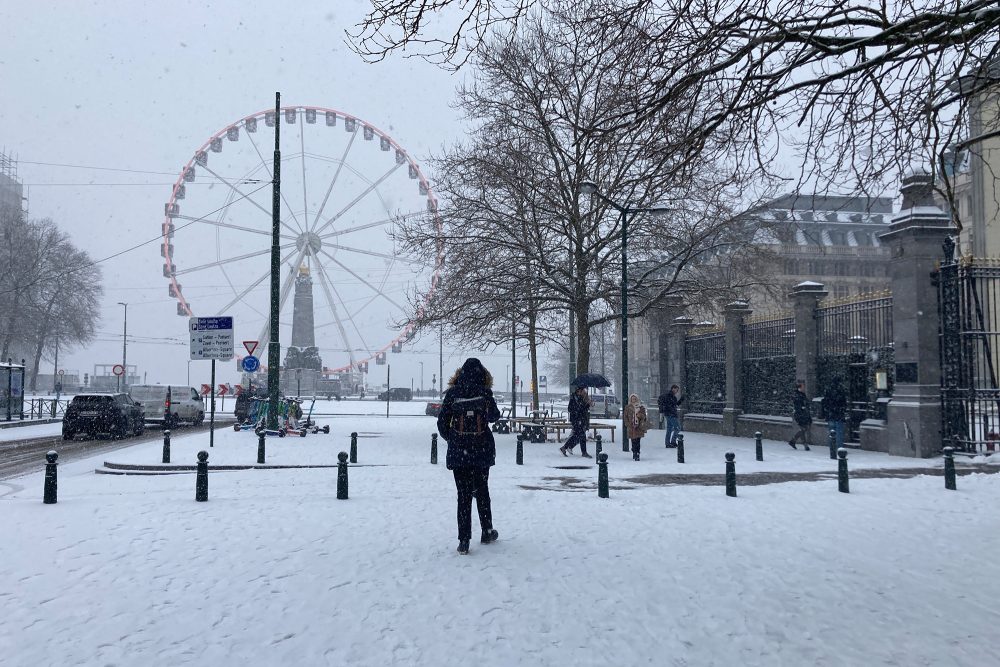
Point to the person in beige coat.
(637, 423)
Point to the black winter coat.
(802, 414)
(668, 403)
(465, 451)
(579, 412)
(835, 404)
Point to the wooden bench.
(559, 427)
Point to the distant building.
(828, 239)
(12, 198)
(974, 172)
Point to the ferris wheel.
(344, 186)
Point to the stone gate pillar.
(676, 362)
(805, 297)
(915, 237)
(734, 314)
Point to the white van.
(605, 405)
(185, 403)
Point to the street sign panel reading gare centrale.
(212, 338)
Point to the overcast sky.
(140, 86)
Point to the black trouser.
(578, 437)
(635, 446)
(803, 434)
(473, 482)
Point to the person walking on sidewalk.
(579, 417)
(668, 403)
(801, 414)
(835, 409)
(464, 422)
(637, 422)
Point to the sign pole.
(388, 388)
(211, 419)
(273, 351)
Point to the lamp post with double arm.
(591, 188)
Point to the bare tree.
(859, 90)
(512, 213)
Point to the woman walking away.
(464, 422)
(801, 414)
(579, 417)
(637, 422)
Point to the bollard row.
(680, 448)
(434, 448)
(519, 453)
(759, 444)
(602, 476)
(354, 447)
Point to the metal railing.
(705, 372)
(768, 372)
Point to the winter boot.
(791, 443)
(490, 535)
(583, 452)
(463, 547)
(805, 446)
(563, 451)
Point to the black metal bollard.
(51, 481)
(759, 442)
(832, 444)
(519, 454)
(602, 476)
(949, 469)
(261, 447)
(600, 445)
(730, 474)
(342, 476)
(166, 446)
(434, 448)
(354, 447)
(680, 448)
(624, 441)
(201, 479)
(843, 483)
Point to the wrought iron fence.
(705, 372)
(854, 346)
(969, 303)
(768, 372)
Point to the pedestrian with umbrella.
(579, 411)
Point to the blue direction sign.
(251, 364)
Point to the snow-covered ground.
(273, 570)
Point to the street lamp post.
(591, 188)
(123, 379)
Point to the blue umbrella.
(591, 380)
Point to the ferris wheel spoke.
(336, 175)
(293, 269)
(336, 313)
(241, 295)
(227, 225)
(271, 176)
(395, 258)
(371, 188)
(358, 228)
(370, 286)
(230, 260)
(305, 200)
(350, 317)
(236, 190)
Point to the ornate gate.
(969, 308)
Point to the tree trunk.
(37, 362)
(583, 339)
(533, 352)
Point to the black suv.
(115, 414)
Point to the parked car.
(396, 394)
(115, 414)
(185, 403)
(433, 408)
(605, 405)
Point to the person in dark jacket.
(579, 417)
(801, 414)
(835, 409)
(463, 421)
(668, 403)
